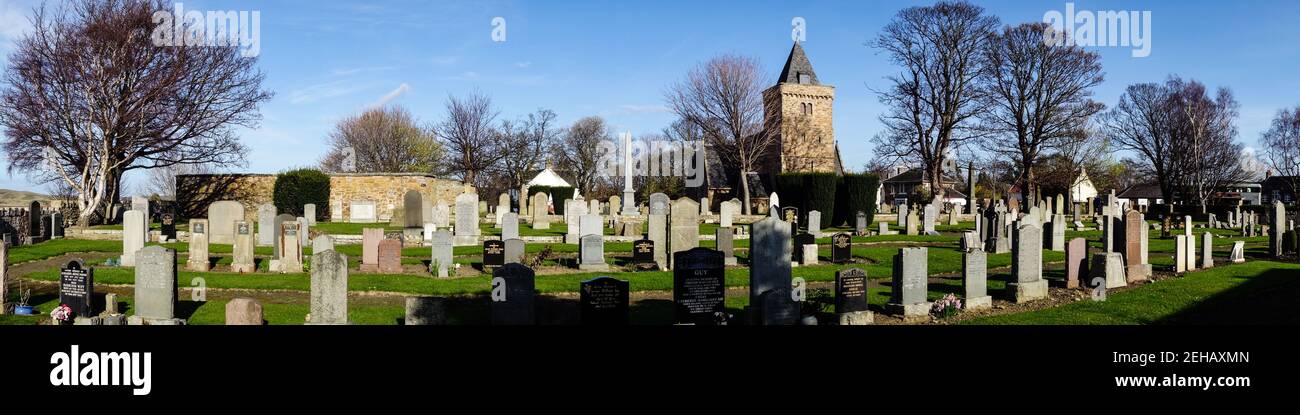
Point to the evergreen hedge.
(296, 188)
(856, 193)
(809, 192)
(558, 195)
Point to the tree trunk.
(744, 190)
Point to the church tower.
(799, 110)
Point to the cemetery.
(683, 269)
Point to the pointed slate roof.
(794, 65)
(548, 178)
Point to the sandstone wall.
(196, 192)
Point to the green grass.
(1258, 292)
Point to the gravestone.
(799, 254)
(304, 232)
(1238, 252)
(592, 254)
(329, 289)
(815, 223)
(727, 212)
(514, 251)
(603, 301)
(901, 215)
(1207, 251)
(155, 287)
(370, 238)
(510, 225)
(541, 219)
(779, 308)
(266, 225)
(494, 253)
(1110, 267)
(684, 220)
(4, 273)
(512, 295)
(503, 207)
(911, 224)
(860, 224)
(290, 261)
(725, 241)
(574, 210)
(1076, 262)
(440, 215)
(699, 287)
(278, 225)
(841, 248)
(390, 256)
(1027, 265)
(590, 224)
(643, 255)
(851, 297)
(322, 243)
(659, 204)
(309, 214)
(362, 212)
(770, 256)
(77, 288)
(974, 271)
(441, 254)
(413, 209)
(244, 312)
(336, 211)
(221, 221)
(199, 260)
(1277, 229)
(1058, 226)
(1134, 246)
(132, 236)
(425, 311)
(791, 215)
(467, 231)
(931, 212)
(657, 231)
(242, 261)
(1180, 253)
(884, 229)
(907, 297)
(168, 222)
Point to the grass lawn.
(1257, 292)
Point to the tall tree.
(1141, 122)
(383, 140)
(87, 97)
(581, 149)
(1038, 99)
(530, 141)
(723, 98)
(1281, 144)
(934, 98)
(469, 138)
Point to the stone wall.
(386, 190)
(807, 141)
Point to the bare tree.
(580, 151)
(934, 99)
(469, 138)
(383, 140)
(1206, 132)
(162, 181)
(1142, 123)
(723, 98)
(1038, 98)
(88, 97)
(530, 142)
(1281, 144)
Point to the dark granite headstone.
(841, 248)
(643, 255)
(512, 295)
(791, 215)
(850, 291)
(699, 287)
(169, 226)
(494, 253)
(76, 286)
(34, 221)
(604, 302)
(799, 241)
(779, 307)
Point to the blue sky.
(328, 60)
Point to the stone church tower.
(799, 110)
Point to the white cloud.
(326, 90)
(389, 97)
(445, 60)
(13, 24)
(524, 64)
(354, 71)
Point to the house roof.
(915, 175)
(1141, 191)
(796, 64)
(548, 178)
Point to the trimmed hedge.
(558, 194)
(809, 192)
(296, 188)
(856, 193)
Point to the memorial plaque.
(643, 255)
(850, 291)
(799, 241)
(699, 287)
(76, 286)
(791, 215)
(841, 248)
(512, 295)
(604, 302)
(494, 253)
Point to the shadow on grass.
(1266, 298)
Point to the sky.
(328, 60)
